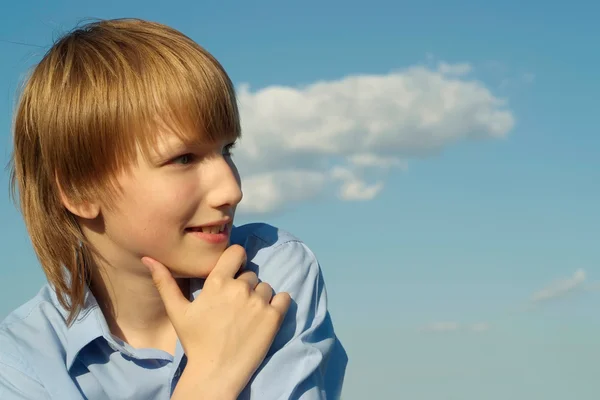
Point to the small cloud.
(445, 326)
(561, 287)
(528, 77)
(354, 188)
(495, 67)
(272, 190)
(480, 327)
(455, 69)
(504, 83)
(375, 161)
(453, 326)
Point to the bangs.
(189, 97)
(113, 91)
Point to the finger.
(167, 287)
(264, 290)
(250, 277)
(230, 262)
(281, 302)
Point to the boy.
(122, 162)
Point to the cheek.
(168, 207)
(149, 215)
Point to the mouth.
(211, 229)
(213, 233)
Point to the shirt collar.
(89, 325)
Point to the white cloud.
(368, 126)
(373, 160)
(516, 81)
(454, 69)
(269, 191)
(453, 326)
(480, 327)
(528, 77)
(446, 326)
(353, 187)
(561, 287)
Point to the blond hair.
(101, 92)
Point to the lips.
(214, 233)
(212, 229)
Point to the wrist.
(198, 382)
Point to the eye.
(183, 159)
(227, 150)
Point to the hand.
(227, 330)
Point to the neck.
(133, 308)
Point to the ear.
(85, 209)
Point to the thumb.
(167, 287)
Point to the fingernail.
(148, 263)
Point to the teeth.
(213, 229)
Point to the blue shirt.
(43, 358)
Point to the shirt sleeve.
(17, 382)
(307, 360)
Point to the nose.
(225, 184)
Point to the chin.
(198, 271)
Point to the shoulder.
(31, 315)
(26, 329)
(306, 357)
(278, 256)
(262, 234)
(24, 344)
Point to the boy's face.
(171, 208)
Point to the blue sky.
(460, 251)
